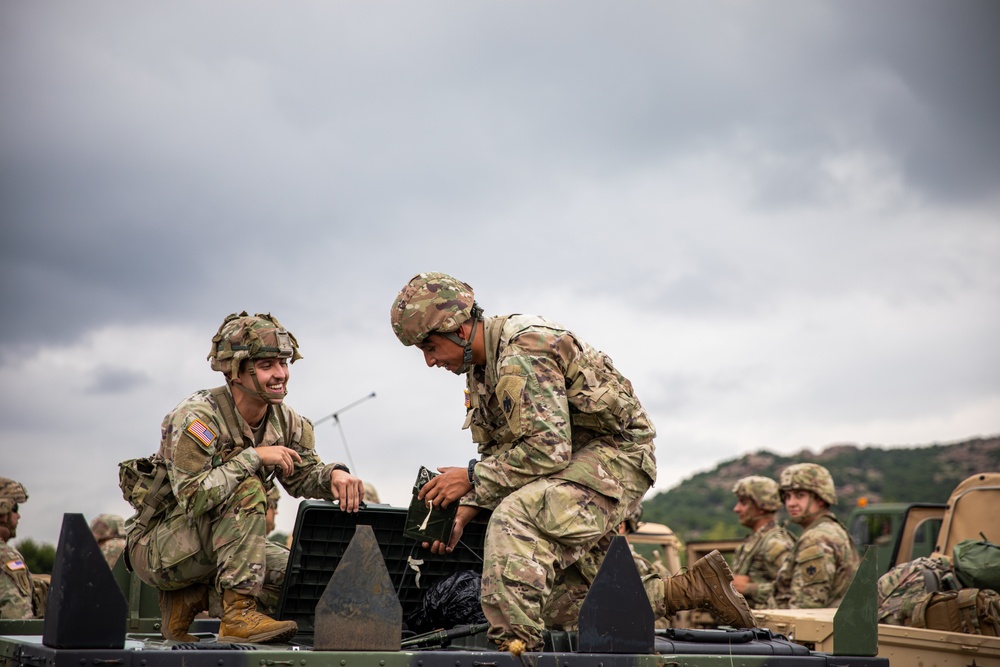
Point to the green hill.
(700, 507)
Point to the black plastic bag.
(451, 601)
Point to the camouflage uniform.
(214, 531)
(820, 569)
(761, 557)
(15, 584)
(109, 531)
(566, 455)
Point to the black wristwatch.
(472, 468)
(341, 466)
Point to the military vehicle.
(881, 525)
(354, 581)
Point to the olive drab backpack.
(977, 563)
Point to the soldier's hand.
(463, 516)
(740, 583)
(280, 456)
(347, 489)
(446, 488)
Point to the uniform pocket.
(519, 569)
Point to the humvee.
(354, 580)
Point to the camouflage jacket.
(547, 404)
(15, 584)
(820, 569)
(903, 587)
(205, 463)
(760, 557)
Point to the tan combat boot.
(178, 609)
(709, 585)
(241, 622)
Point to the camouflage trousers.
(544, 545)
(225, 548)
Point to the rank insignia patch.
(201, 433)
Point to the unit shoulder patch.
(508, 392)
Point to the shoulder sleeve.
(15, 586)
(190, 446)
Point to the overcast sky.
(780, 219)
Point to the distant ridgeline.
(700, 507)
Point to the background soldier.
(765, 550)
(109, 531)
(21, 595)
(273, 496)
(566, 455)
(219, 451)
(824, 559)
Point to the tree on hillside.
(40, 558)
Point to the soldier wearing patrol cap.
(566, 454)
(824, 560)
(760, 557)
(21, 596)
(221, 451)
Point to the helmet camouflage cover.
(762, 490)
(431, 302)
(11, 493)
(107, 526)
(242, 336)
(809, 477)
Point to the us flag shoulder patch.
(17, 564)
(201, 433)
(468, 400)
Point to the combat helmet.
(242, 336)
(762, 490)
(435, 302)
(11, 493)
(107, 526)
(809, 477)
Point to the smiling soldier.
(204, 527)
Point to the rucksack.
(904, 586)
(973, 611)
(977, 563)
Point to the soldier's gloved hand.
(347, 489)
(280, 456)
(446, 488)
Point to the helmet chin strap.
(807, 517)
(466, 347)
(258, 391)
